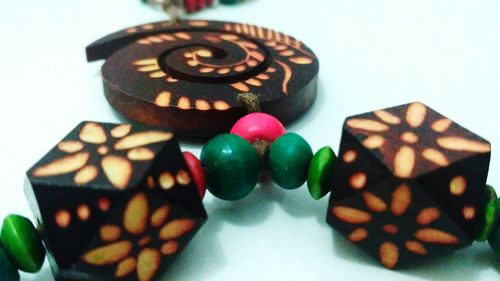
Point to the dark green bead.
(8, 272)
(288, 160)
(22, 243)
(320, 173)
(490, 215)
(494, 239)
(229, 2)
(232, 166)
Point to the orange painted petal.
(435, 156)
(241, 87)
(367, 125)
(121, 130)
(415, 115)
(441, 125)
(401, 200)
(176, 228)
(169, 248)
(163, 99)
(374, 141)
(359, 234)
(142, 139)
(108, 254)
(301, 60)
(351, 215)
(159, 216)
(415, 247)
(389, 254)
(63, 165)
(110, 233)
(93, 133)
(70, 146)
(183, 177)
(374, 202)
(141, 154)
(148, 263)
(461, 144)
(387, 117)
(135, 218)
(86, 175)
(428, 215)
(404, 162)
(118, 170)
(435, 236)
(126, 267)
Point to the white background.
(373, 54)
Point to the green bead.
(229, 2)
(320, 173)
(490, 215)
(232, 166)
(494, 239)
(22, 243)
(8, 272)
(288, 160)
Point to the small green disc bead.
(229, 2)
(8, 272)
(320, 173)
(288, 160)
(490, 215)
(22, 243)
(494, 239)
(232, 166)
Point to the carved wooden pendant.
(409, 183)
(115, 202)
(188, 76)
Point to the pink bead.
(258, 126)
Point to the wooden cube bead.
(112, 200)
(409, 183)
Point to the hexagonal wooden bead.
(409, 183)
(114, 201)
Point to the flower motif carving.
(108, 148)
(418, 134)
(401, 201)
(139, 223)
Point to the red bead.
(190, 6)
(196, 170)
(201, 4)
(210, 2)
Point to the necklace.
(358, 209)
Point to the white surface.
(373, 54)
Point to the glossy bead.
(196, 170)
(320, 173)
(258, 126)
(229, 2)
(22, 243)
(8, 272)
(288, 160)
(232, 166)
(494, 239)
(490, 215)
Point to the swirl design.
(155, 71)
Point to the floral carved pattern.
(415, 240)
(147, 228)
(106, 149)
(416, 135)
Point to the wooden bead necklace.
(121, 201)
